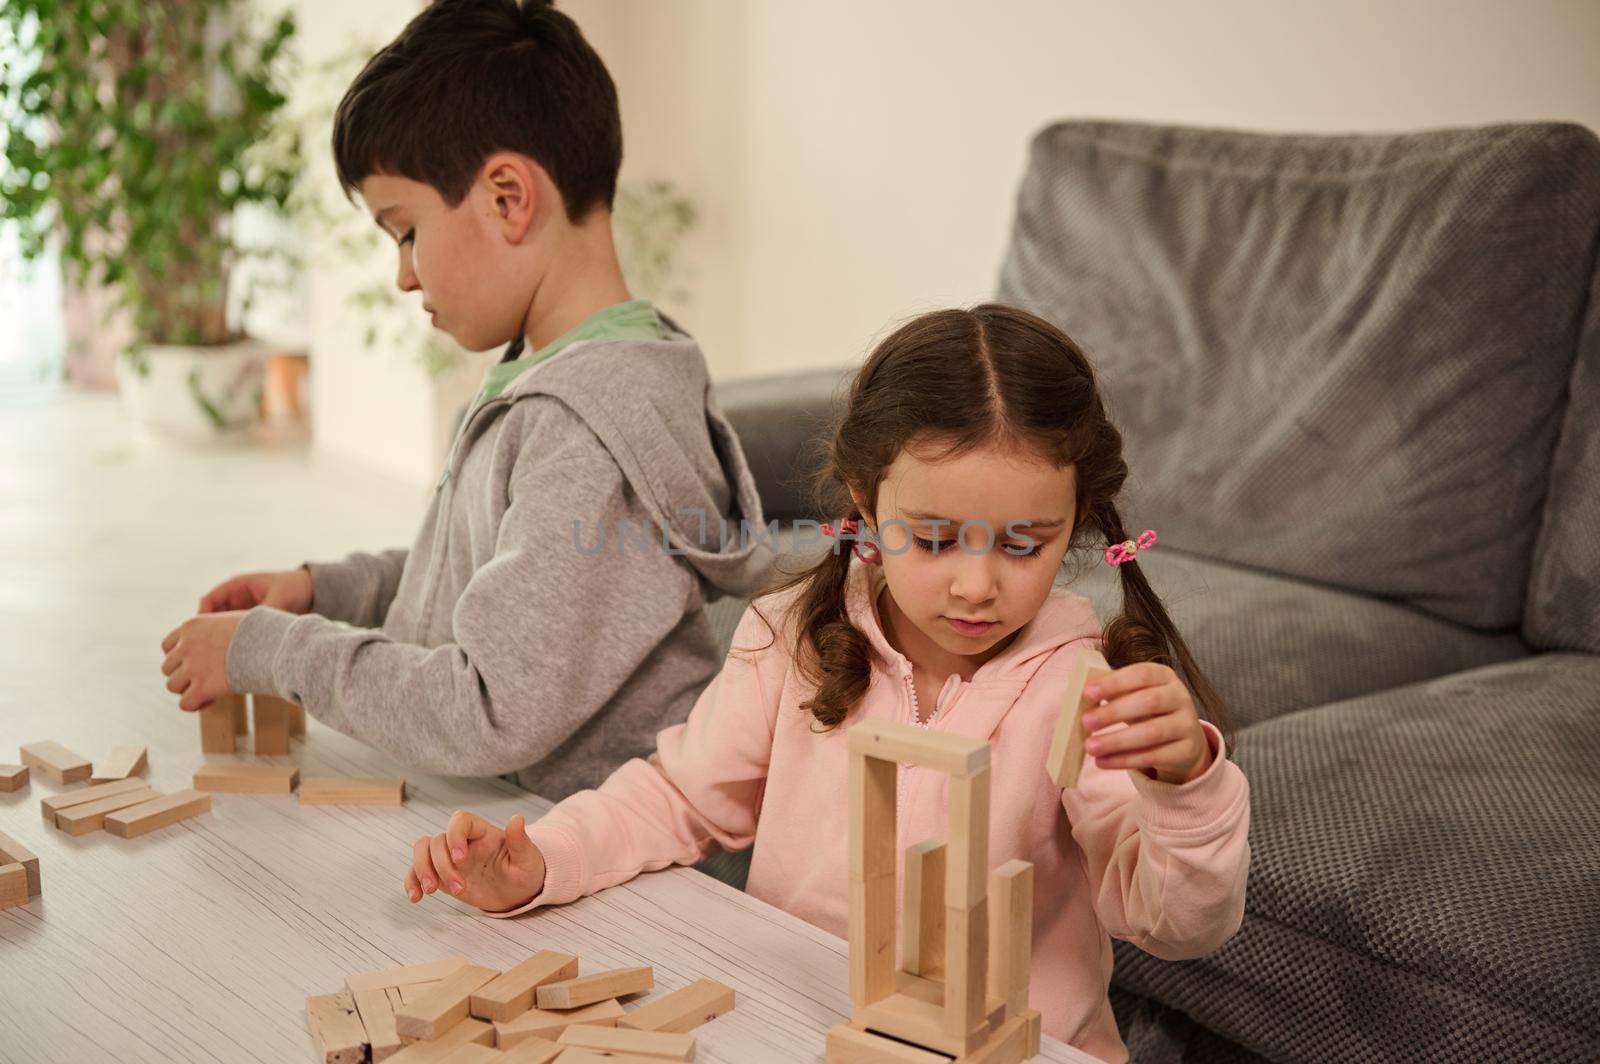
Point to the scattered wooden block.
(1065, 760)
(412, 991)
(532, 1051)
(56, 763)
(510, 995)
(336, 1028)
(538, 1023)
(682, 1010)
(442, 1007)
(591, 1056)
(216, 724)
(272, 725)
(406, 974)
(656, 1045)
(55, 804)
(13, 852)
(436, 1051)
(333, 790)
(588, 989)
(91, 816)
(158, 813)
(472, 1053)
(124, 762)
(246, 779)
(13, 777)
(376, 1009)
(13, 886)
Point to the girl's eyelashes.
(932, 546)
(943, 546)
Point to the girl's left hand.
(1163, 738)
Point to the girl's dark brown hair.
(955, 380)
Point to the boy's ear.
(508, 181)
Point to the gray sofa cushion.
(1339, 358)
(1272, 644)
(784, 423)
(1563, 611)
(1423, 882)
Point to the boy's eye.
(410, 235)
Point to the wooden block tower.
(963, 988)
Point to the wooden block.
(594, 1056)
(13, 886)
(241, 715)
(376, 1008)
(682, 1010)
(1065, 759)
(158, 813)
(538, 1023)
(659, 1045)
(873, 786)
(336, 1029)
(55, 804)
(406, 974)
(532, 1051)
(246, 779)
(919, 1022)
(13, 852)
(588, 989)
(966, 968)
(907, 744)
(56, 763)
(216, 725)
(932, 991)
(442, 1007)
(512, 994)
(334, 790)
(1011, 934)
(91, 816)
(435, 1051)
(124, 762)
(272, 725)
(922, 927)
(848, 1045)
(297, 719)
(871, 934)
(412, 991)
(472, 1053)
(967, 869)
(1016, 1041)
(13, 777)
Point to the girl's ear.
(507, 182)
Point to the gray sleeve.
(546, 632)
(358, 589)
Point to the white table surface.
(200, 942)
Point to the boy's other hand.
(288, 590)
(479, 863)
(197, 658)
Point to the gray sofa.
(1359, 379)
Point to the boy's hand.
(288, 590)
(197, 658)
(478, 863)
(1163, 738)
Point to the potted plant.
(133, 133)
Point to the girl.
(973, 455)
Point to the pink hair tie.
(864, 548)
(849, 526)
(1128, 549)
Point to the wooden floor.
(201, 941)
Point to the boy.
(521, 633)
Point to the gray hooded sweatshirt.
(548, 621)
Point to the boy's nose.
(407, 279)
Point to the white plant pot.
(196, 394)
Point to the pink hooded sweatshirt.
(1160, 865)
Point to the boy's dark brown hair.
(467, 78)
(950, 381)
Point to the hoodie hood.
(678, 452)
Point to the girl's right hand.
(288, 590)
(479, 863)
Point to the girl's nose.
(974, 580)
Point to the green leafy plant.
(133, 130)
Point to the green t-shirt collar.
(634, 320)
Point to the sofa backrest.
(1342, 358)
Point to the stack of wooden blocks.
(277, 720)
(542, 1010)
(116, 800)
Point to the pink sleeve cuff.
(1201, 804)
(563, 869)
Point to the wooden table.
(200, 942)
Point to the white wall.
(855, 162)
